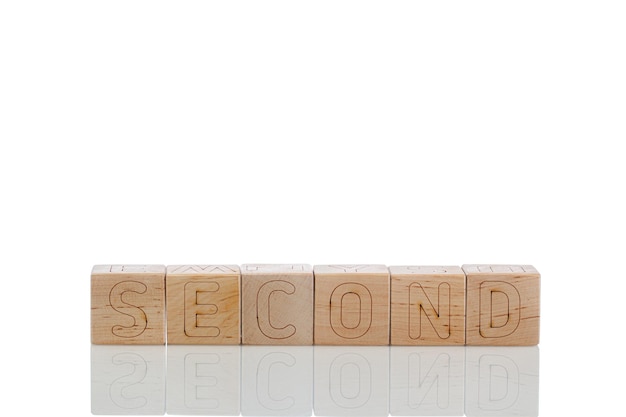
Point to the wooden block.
(427, 305)
(351, 305)
(277, 304)
(203, 304)
(128, 304)
(502, 305)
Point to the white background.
(317, 132)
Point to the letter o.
(339, 307)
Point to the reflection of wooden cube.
(351, 381)
(276, 381)
(427, 305)
(203, 304)
(277, 304)
(128, 304)
(502, 305)
(351, 305)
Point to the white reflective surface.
(127, 380)
(277, 381)
(351, 381)
(427, 381)
(203, 380)
(324, 380)
(502, 381)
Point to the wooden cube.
(502, 305)
(128, 304)
(427, 305)
(351, 305)
(277, 304)
(203, 304)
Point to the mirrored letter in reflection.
(128, 380)
(427, 381)
(351, 381)
(502, 381)
(203, 380)
(277, 380)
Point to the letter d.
(499, 309)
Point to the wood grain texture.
(351, 305)
(203, 304)
(502, 305)
(128, 304)
(427, 305)
(277, 304)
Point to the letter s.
(140, 320)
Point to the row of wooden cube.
(295, 304)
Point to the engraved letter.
(499, 309)
(263, 310)
(116, 299)
(199, 309)
(350, 310)
(420, 304)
